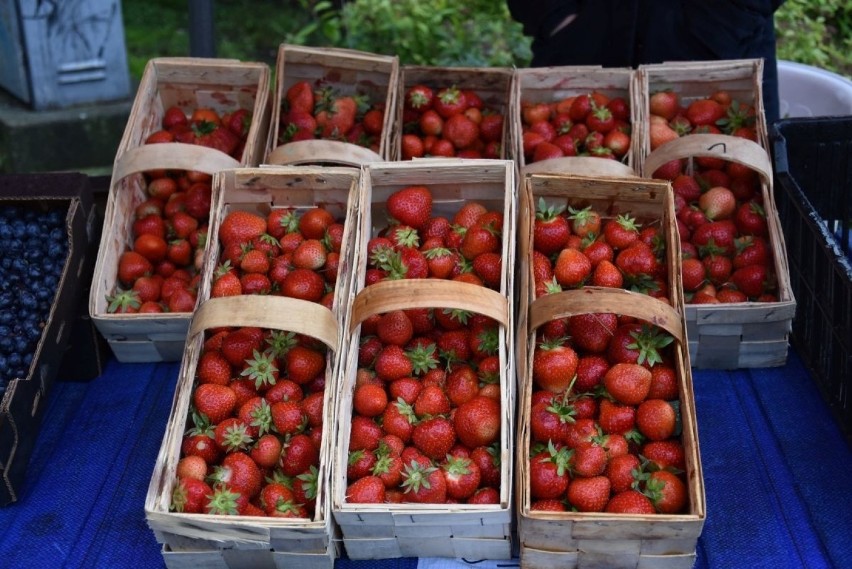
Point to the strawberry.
(663, 383)
(607, 274)
(665, 454)
(549, 420)
(461, 131)
(589, 494)
(479, 239)
(489, 268)
(638, 343)
(462, 477)
(449, 101)
(240, 473)
(628, 383)
(303, 284)
(554, 365)
(750, 219)
(216, 402)
(656, 419)
(389, 467)
(395, 328)
(572, 268)
(751, 250)
(225, 282)
(298, 454)
(693, 273)
(715, 237)
(190, 496)
(288, 417)
(192, 466)
(717, 268)
(434, 437)
(591, 332)
(590, 372)
(303, 364)
(667, 492)
(477, 422)
(548, 506)
(621, 471)
(266, 451)
(364, 433)
(411, 206)
(398, 420)
(424, 484)
(366, 490)
(550, 228)
(369, 400)
(704, 112)
(665, 104)
(660, 133)
(548, 473)
(588, 460)
(752, 280)
(309, 254)
(241, 227)
(393, 363)
(314, 223)
(630, 502)
(718, 202)
(131, 266)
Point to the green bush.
(816, 32)
(445, 33)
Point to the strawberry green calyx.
(223, 501)
(236, 437)
(489, 341)
(422, 358)
(560, 457)
(457, 465)
(179, 498)
(416, 476)
(310, 482)
(281, 342)
(261, 417)
(649, 342)
(552, 286)
(123, 301)
(546, 212)
(201, 425)
(628, 222)
(261, 369)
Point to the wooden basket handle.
(318, 151)
(580, 166)
(592, 299)
(265, 311)
(726, 147)
(403, 294)
(172, 155)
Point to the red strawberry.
(628, 383)
(750, 219)
(477, 422)
(591, 332)
(217, 402)
(615, 418)
(434, 437)
(548, 473)
(303, 284)
(718, 203)
(665, 454)
(367, 490)
(411, 206)
(554, 365)
(667, 492)
(364, 433)
(240, 473)
(630, 502)
(423, 484)
(620, 470)
(298, 454)
(190, 496)
(753, 280)
(550, 229)
(656, 419)
(462, 476)
(621, 231)
(241, 227)
(572, 268)
(393, 363)
(369, 399)
(589, 494)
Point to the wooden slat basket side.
(749, 334)
(494, 85)
(421, 530)
(550, 539)
(553, 84)
(308, 537)
(352, 72)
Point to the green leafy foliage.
(817, 33)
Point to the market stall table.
(776, 467)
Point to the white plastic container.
(808, 91)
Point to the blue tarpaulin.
(777, 473)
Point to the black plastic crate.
(813, 194)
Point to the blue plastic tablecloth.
(777, 473)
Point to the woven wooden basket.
(278, 541)
(373, 531)
(494, 85)
(747, 334)
(691, 80)
(352, 72)
(224, 85)
(552, 84)
(575, 539)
